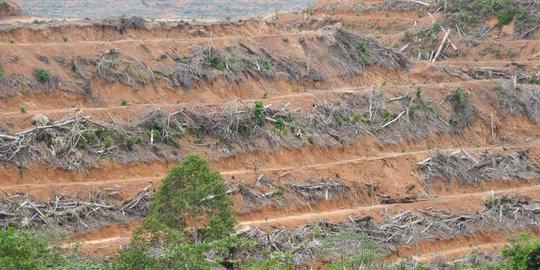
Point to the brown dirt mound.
(8, 8)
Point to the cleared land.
(346, 115)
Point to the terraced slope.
(310, 118)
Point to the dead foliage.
(474, 259)
(116, 65)
(121, 24)
(517, 100)
(13, 84)
(308, 242)
(469, 169)
(278, 193)
(355, 51)
(71, 214)
(346, 52)
(464, 113)
(235, 127)
(79, 142)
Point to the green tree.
(194, 194)
(192, 197)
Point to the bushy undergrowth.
(471, 12)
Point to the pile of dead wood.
(519, 100)
(75, 215)
(276, 193)
(466, 168)
(78, 141)
(306, 243)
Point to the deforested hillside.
(343, 135)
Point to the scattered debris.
(462, 166)
(71, 214)
(502, 212)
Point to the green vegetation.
(26, 250)
(469, 12)
(22, 109)
(266, 64)
(274, 261)
(154, 128)
(1, 72)
(215, 61)
(103, 137)
(523, 253)
(281, 125)
(458, 98)
(294, 129)
(363, 50)
(510, 13)
(197, 192)
(360, 252)
(194, 193)
(124, 102)
(42, 75)
(260, 112)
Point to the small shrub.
(124, 102)
(465, 18)
(22, 109)
(276, 260)
(281, 125)
(363, 50)
(155, 124)
(356, 117)
(132, 141)
(387, 114)
(294, 129)
(506, 16)
(458, 98)
(1, 72)
(260, 113)
(108, 142)
(414, 106)
(42, 75)
(102, 133)
(114, 53)
(153, 133)
(86, 137)
(266, 64)
(216, 62)
(340, 119)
